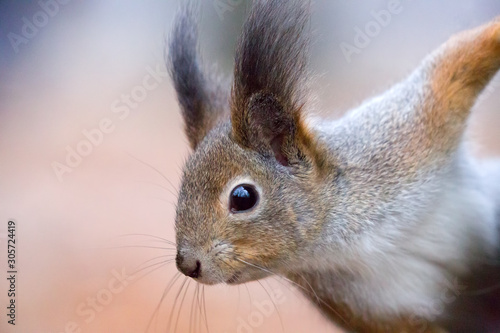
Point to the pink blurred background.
(69, 75)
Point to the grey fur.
(374, 216)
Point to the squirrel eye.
(242, 198)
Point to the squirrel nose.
(188, 268)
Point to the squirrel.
(382, 218)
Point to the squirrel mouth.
(233, 279)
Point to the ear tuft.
(270, 78)
(203, 99)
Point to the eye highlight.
(243, 198)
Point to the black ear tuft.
(203, 99)
(270, 76)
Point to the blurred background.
(91, 148)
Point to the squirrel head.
(262, 187)
(245, 195)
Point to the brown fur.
(379, 176)
(460, 70)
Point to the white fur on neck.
(412, 267)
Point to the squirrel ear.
(203, 99)
(269, 78)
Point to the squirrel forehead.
(215, 162)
